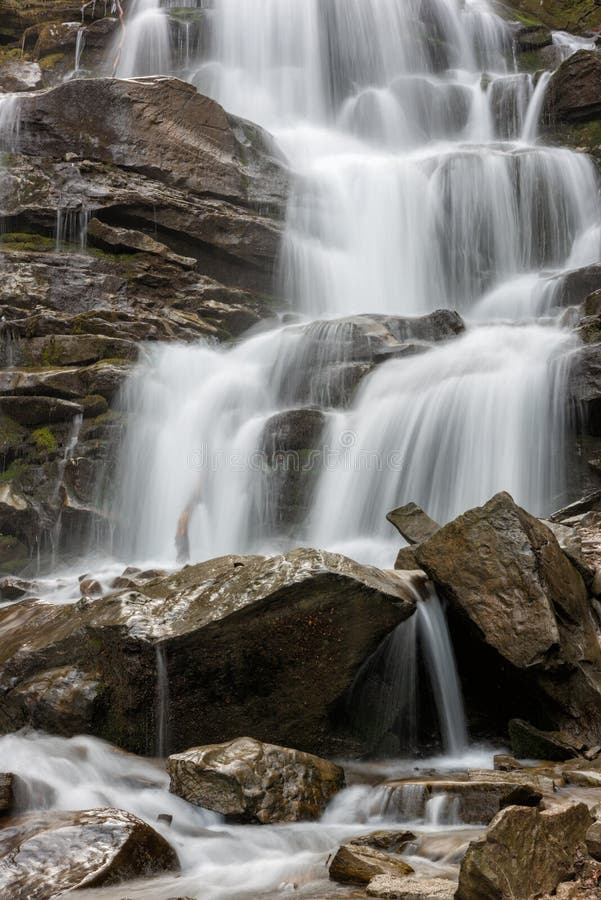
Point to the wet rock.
(515, 595)
(44, 855)
(353, 864)
(6, 792)
(128, 239)
(232, 632)
(472, 801)
(250, 781)
(75, 349)
(389, 841)
(574, 92)
(529, 742)
(593, 840)
(524, 853)
(391, 888)
(412, 523)
(15, 588)
(53, 37)
(532, 37)
(406, 559)
(19, 75)
(505, 569)
(156, 125)
(49, 699)
(521, 795)
(504, 763)
(89, 587)
(32, 410)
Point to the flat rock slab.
(411, 888)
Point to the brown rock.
(525, 852)
(44, 855)
(238, 634)
(529, 742)
(255, 782)
(354, 864)
(38, 410)
(6, 792)
(389, 841)
(516, 597)
(574, 92)
(593, 840)
(20, 75)
(412, 523)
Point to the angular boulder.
(529, 742)
(521, 607)
(249, 781)
(354, 864)
(525, 853)
(412, 523)
(45, 855)
(244, 641)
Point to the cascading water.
(418, 185)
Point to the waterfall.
(418, 184)
(145, 49)
(384, 699)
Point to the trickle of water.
(162, 703)
(383, 702)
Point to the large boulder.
(47, 854)
(522, 608)
(243, 642)
(574, 92)
(525, 852)
(250, 781)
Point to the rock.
(529, 742)
(564, 15)
(576, 286)
(6, 792)
(574, 92)
(515, 595)
(89, 587)
(15, 588)
(358, 865)
(19, 75)
(250, 781)
(47, 854)
(75, 349)
(504, 569)
(525, 852)
(412, 523)
(156, 125)
(504, 763)
(128, 239)
(239, 636)
(532, 37)
(521, 795)
(472, 801)
(389, 841)
(39, 410)
(593, 840)
(392, 888)
(406, 559)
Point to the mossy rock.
(12, 436)
(26, 242)
(577, 16)
(44, 440)
(14, 555)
